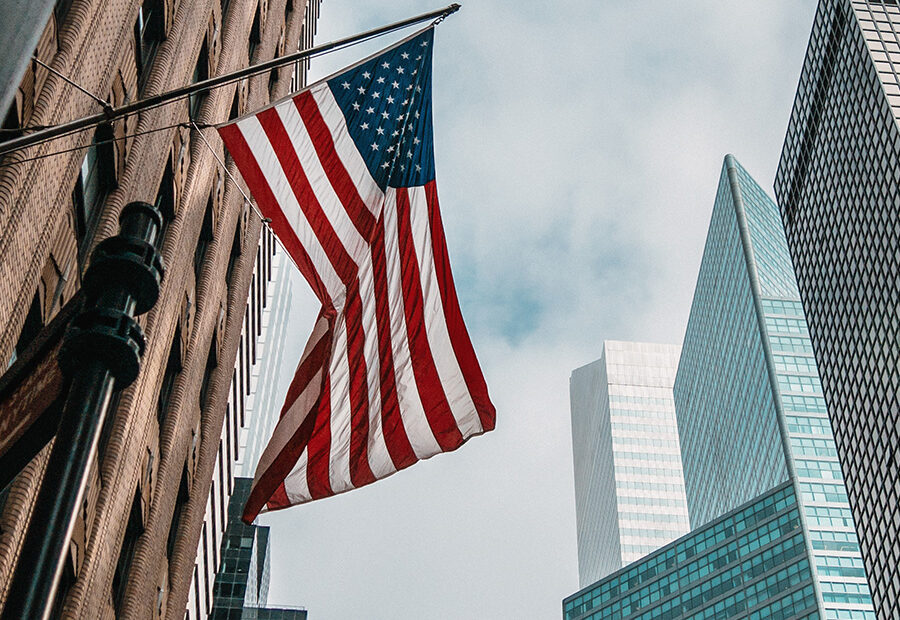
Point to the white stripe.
(360, 251)
(349, 154)
(295, 485)
(448, 370)
(339, 451)
(278, 183)
(412, 413)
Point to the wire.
(7, 164)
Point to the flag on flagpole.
(345, 171)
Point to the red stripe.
(431, 392)
(268, 205)
(459, 336)
(319, 447)
(340, 180)
(395, 437)
(360, 471)
(279, 499)
(347, 270)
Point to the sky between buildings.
(578, 147)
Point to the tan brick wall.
(94, 47)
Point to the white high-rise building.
(629, 485)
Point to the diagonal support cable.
(107, 107)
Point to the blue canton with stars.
(386, 102)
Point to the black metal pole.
(213, 82)
(101, 352)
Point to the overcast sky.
(578, 148)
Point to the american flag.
(345, 171)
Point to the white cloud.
(578, 150)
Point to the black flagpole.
(112, 114)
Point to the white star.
(399, 69)
(385, 165)
(416, 140)
(385, 115)
(400, 118)
(370, 110)
(374, 146)
(410, 87)
(409, 127)
(415, 71)
(402, 167)
(418, 168)
(376, 95)
(424, 44)
(419, 57)
(391, 149)
(409, 154)
(346, 85)
(367, 75)
(362, 91)
(417, 114)
(355, 106)
(404, 56)
(380, 80)
(390, 99)
(395, 134)
(395, 84)
(386, 65)
(405, 101)
(418, 89)
(364, 126)
(381, 132)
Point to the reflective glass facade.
(838, 186)
(752, 563)
(629, 489)
(750, 408)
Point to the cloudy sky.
(578, 147)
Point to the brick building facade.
(134, 546)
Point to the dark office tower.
(838, 187)
(134, 543)
(242, 582)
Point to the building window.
(149, 31)
(201, 72)
(203, 241)
(180, 502)
(211, 363)
(60, 10)
(96, 179)
(133, 531)
(165, 200)
(255, 34)
(233, 257)
(34, 321)
(173, 367)
(12, 126)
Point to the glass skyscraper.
(749, 564)
(838, 186)
(750, 409)
(629, 489)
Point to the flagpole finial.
(450, 10)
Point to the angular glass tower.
(751, 414)
(629, 490)
(838, 186)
